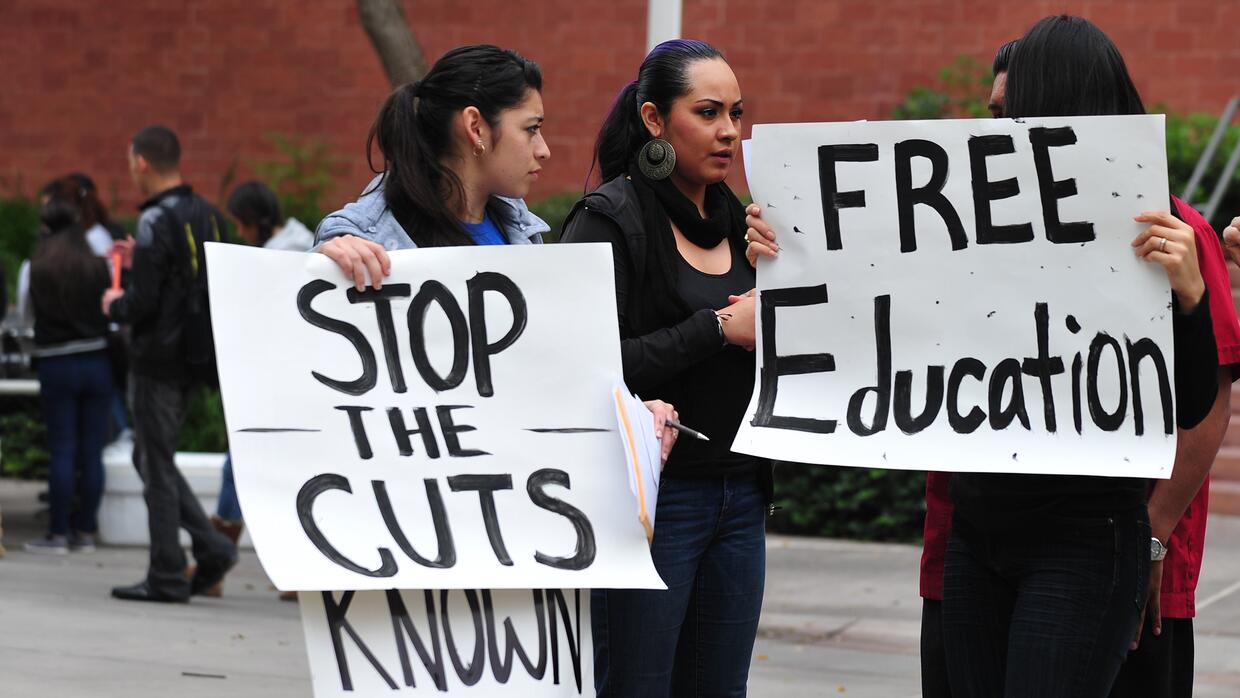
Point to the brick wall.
(77, 79)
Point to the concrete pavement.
(840, 618)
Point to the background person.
(75, 377)
(166, 258)
(255, 210)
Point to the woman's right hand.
(1231, 240)
(358, 258)
(738, 321)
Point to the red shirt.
(1183, 564)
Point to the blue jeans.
(228, 508)
(1045, 610)
(696, 638)
(76, 395)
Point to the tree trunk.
(389, 32)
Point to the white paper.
(546, 436)
(642, 452)
(947, 304)
(473, 643)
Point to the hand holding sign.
(359, 259)
(1172, 243)
(759, 238)
(1231, 240)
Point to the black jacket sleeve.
(153, 260)
(654, 358)
(1196, 363)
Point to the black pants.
(1046, 609)
(158, 409)
(934, 682)
(1162, 667)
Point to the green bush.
(1187, 136)
(856, 503)
(554, 210)
(19, 231)
(204, 429)
(962, 91)
(301, 175)
(23, 440)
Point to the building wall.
(77, 79)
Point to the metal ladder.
(1210, 207)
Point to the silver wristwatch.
(1158, 551)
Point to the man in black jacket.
(161, 288)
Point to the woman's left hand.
(666, 435)
(1172, 243)
(759, 238)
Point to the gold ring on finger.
(1162, 246)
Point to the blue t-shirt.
(486, 232)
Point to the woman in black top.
(1045, 576)
(687, 331)
(75, 376)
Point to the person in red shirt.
(1160, 664)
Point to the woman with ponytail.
(460, 149)
(686, 315)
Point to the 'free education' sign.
(962, 295)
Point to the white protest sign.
(963, 296)
(455, 430)
(468, 642)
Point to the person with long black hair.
(75, 375)
(1045, 577)
(461, 148)
(686, 319)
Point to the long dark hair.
(662, 78)
(255, 205)
(413, 133)
(64, 273)
(1067, 66)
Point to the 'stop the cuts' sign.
(962, 295)
(454, 429)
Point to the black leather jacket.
(160, 281)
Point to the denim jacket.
(370, 218)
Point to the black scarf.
(662, 204)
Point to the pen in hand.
(686, 430)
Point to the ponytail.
(622, 135)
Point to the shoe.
(49, 545)
(142, 591)
(231, 529)
(211, 572)
(82, 543)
